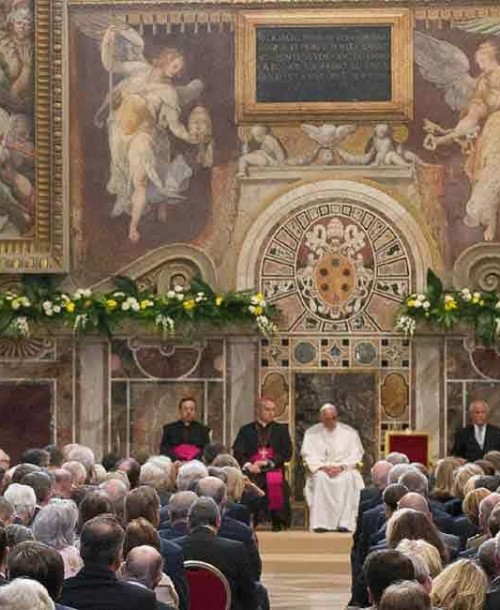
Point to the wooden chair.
(208, 587)
(412, 443)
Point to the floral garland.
(446, 308)
(85, 311)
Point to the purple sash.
(274, 480)
(185, 451)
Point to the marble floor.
(306, 571)
(307, 591)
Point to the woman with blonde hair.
(463, 474)
(470, 504)
(425, 550)
(460, 586)
(445, 471)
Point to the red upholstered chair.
(208, 587)
(410, 442)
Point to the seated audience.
(55, 526)
(444, 477)
(486, 466)
(132, 469)
(395, 457)
(77, 472)
(487, 559)
(25, 594)
(159, 477)
(426, 551)
(116, 492)
(235, 482)
(63, 480)
(178, 509)
(21, 470)
(93, 504)
(189, 474)
(7, 512)
(82, 454)
(493, 593)
(17, 533)
(462, 584)
(141, 532)
(38, 457)
(96, 585)
(3, 555)
(407, 595)
(493, 457)
(382, 569)
(41, 563)
(203, 544)
(56, 457)
(23, 499)
(144, 567)
(145, 502)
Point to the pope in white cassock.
(331, 451)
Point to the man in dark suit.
(214, 488)
(3, 554)
(143, 568)
(473, 441)
(178, 509)
(262, 447)
(144, 502)
(186, 438)
(96, 584)
(203, 544)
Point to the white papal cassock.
(333, 501)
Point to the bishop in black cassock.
(186, 438)
(262, 448)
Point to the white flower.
(497, 305)
(49, 312)
(266, 326)
(180, 296)
(418, 304)
(476, 295)
(406, 324)
(15, 304)
(465, 291)
(125, 306)
(426, 304)
(57, 309)
(178, 288)
(251, 308)
(20, 326)
(81, 322)
(420, 297)
(165, 323)
(466, 296)
(118, 294)
(170, 294)
(448, 298)
(65, 297)
(47, 304)
(25, 302)
(135, 306)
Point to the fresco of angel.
(478, 100)
(143, 115)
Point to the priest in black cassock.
(186, 438)
(262, 448)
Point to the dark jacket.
(179, 433)
(97, 588)
(493, 596)
(466, 446)
(171, 532)
(238, 511)
(246, 444)
(230, 557)
(174, 567)
(234, 530)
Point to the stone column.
(242, 382)
(92, 394)
(430, 404)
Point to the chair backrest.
(208, 587)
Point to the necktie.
(480, 430)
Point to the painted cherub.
(381, 150)
(260, 149)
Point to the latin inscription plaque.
(323, 64)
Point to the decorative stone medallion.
(325, 263)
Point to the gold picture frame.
(42, 246)
(399, 107)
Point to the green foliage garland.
(446, 308)
(40, 304)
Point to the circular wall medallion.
(328, 260)
(305, 352)
(365, 353)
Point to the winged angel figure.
(478, 100)
(142, 110)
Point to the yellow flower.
(450, 305)
(111, 304)
(145, 304)
(218, 301)
(259, 296)
(70, 307)
(189, 304)
(258, 310)
(411, 302)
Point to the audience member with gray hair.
(397, 471)
(55, 526)
(203, 544)
(487, 559)
(178, 509)
(116, 492)
(25, 594)
(6, 511)
(77, 471)
(189, 474)
(405, 594)
(229, 528)
(395, 457)
(415, 481)
(17, 533)
(62, 483)
(23, 499)
(159, 477)
(82, 454)
(42, 484)
(144, 566)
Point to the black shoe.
(343, 530)
(320, 530)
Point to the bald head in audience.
(144, 564)
(415, 501)
(380, 472)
